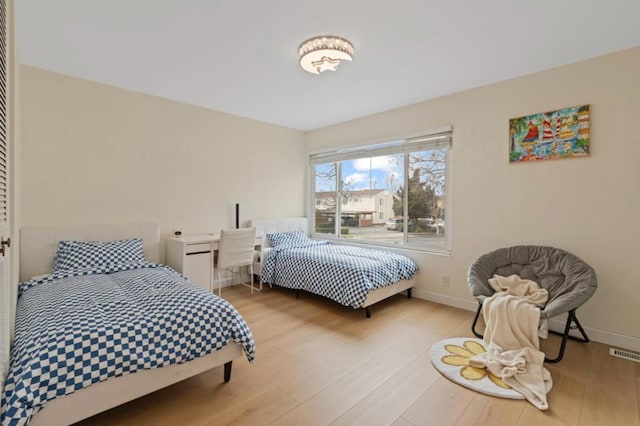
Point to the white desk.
(194, 257)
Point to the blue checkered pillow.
(288, 238)
(86, 254)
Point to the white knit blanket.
(512, 316)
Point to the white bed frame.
(285, 224)
(38, 245)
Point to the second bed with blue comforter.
(79, 327)
(345, 274)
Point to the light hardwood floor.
(320, 363)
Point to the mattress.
(345, 274)
(76, 328)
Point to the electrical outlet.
(445, 281)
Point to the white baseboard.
(606, 337)
(467, 305)
(557, 324)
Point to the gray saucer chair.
(569, 280)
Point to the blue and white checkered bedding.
(345, 274)
(75, 328)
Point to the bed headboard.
(38, 245)
(279, 224)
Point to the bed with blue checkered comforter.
(75, 328)
(345, 274)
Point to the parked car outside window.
(393, 224)
(349, 221)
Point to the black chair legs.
(571, 319)
(475, 321)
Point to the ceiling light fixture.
(324, 53)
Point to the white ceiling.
(240, 56)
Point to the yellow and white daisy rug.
(451, 358)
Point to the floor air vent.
(632, 356)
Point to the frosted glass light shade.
(324, 53)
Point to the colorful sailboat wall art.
(563, 133)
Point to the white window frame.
(442, 137)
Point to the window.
(325, 192)
(411, 174)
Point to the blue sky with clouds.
(384, 172)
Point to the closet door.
(6, 103)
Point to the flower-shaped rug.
(451, 358)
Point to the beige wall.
(588, 206)
(97, 154)
(93, 153)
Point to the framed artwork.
(563, 133)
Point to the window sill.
(417, 248)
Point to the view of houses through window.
(397, 198)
